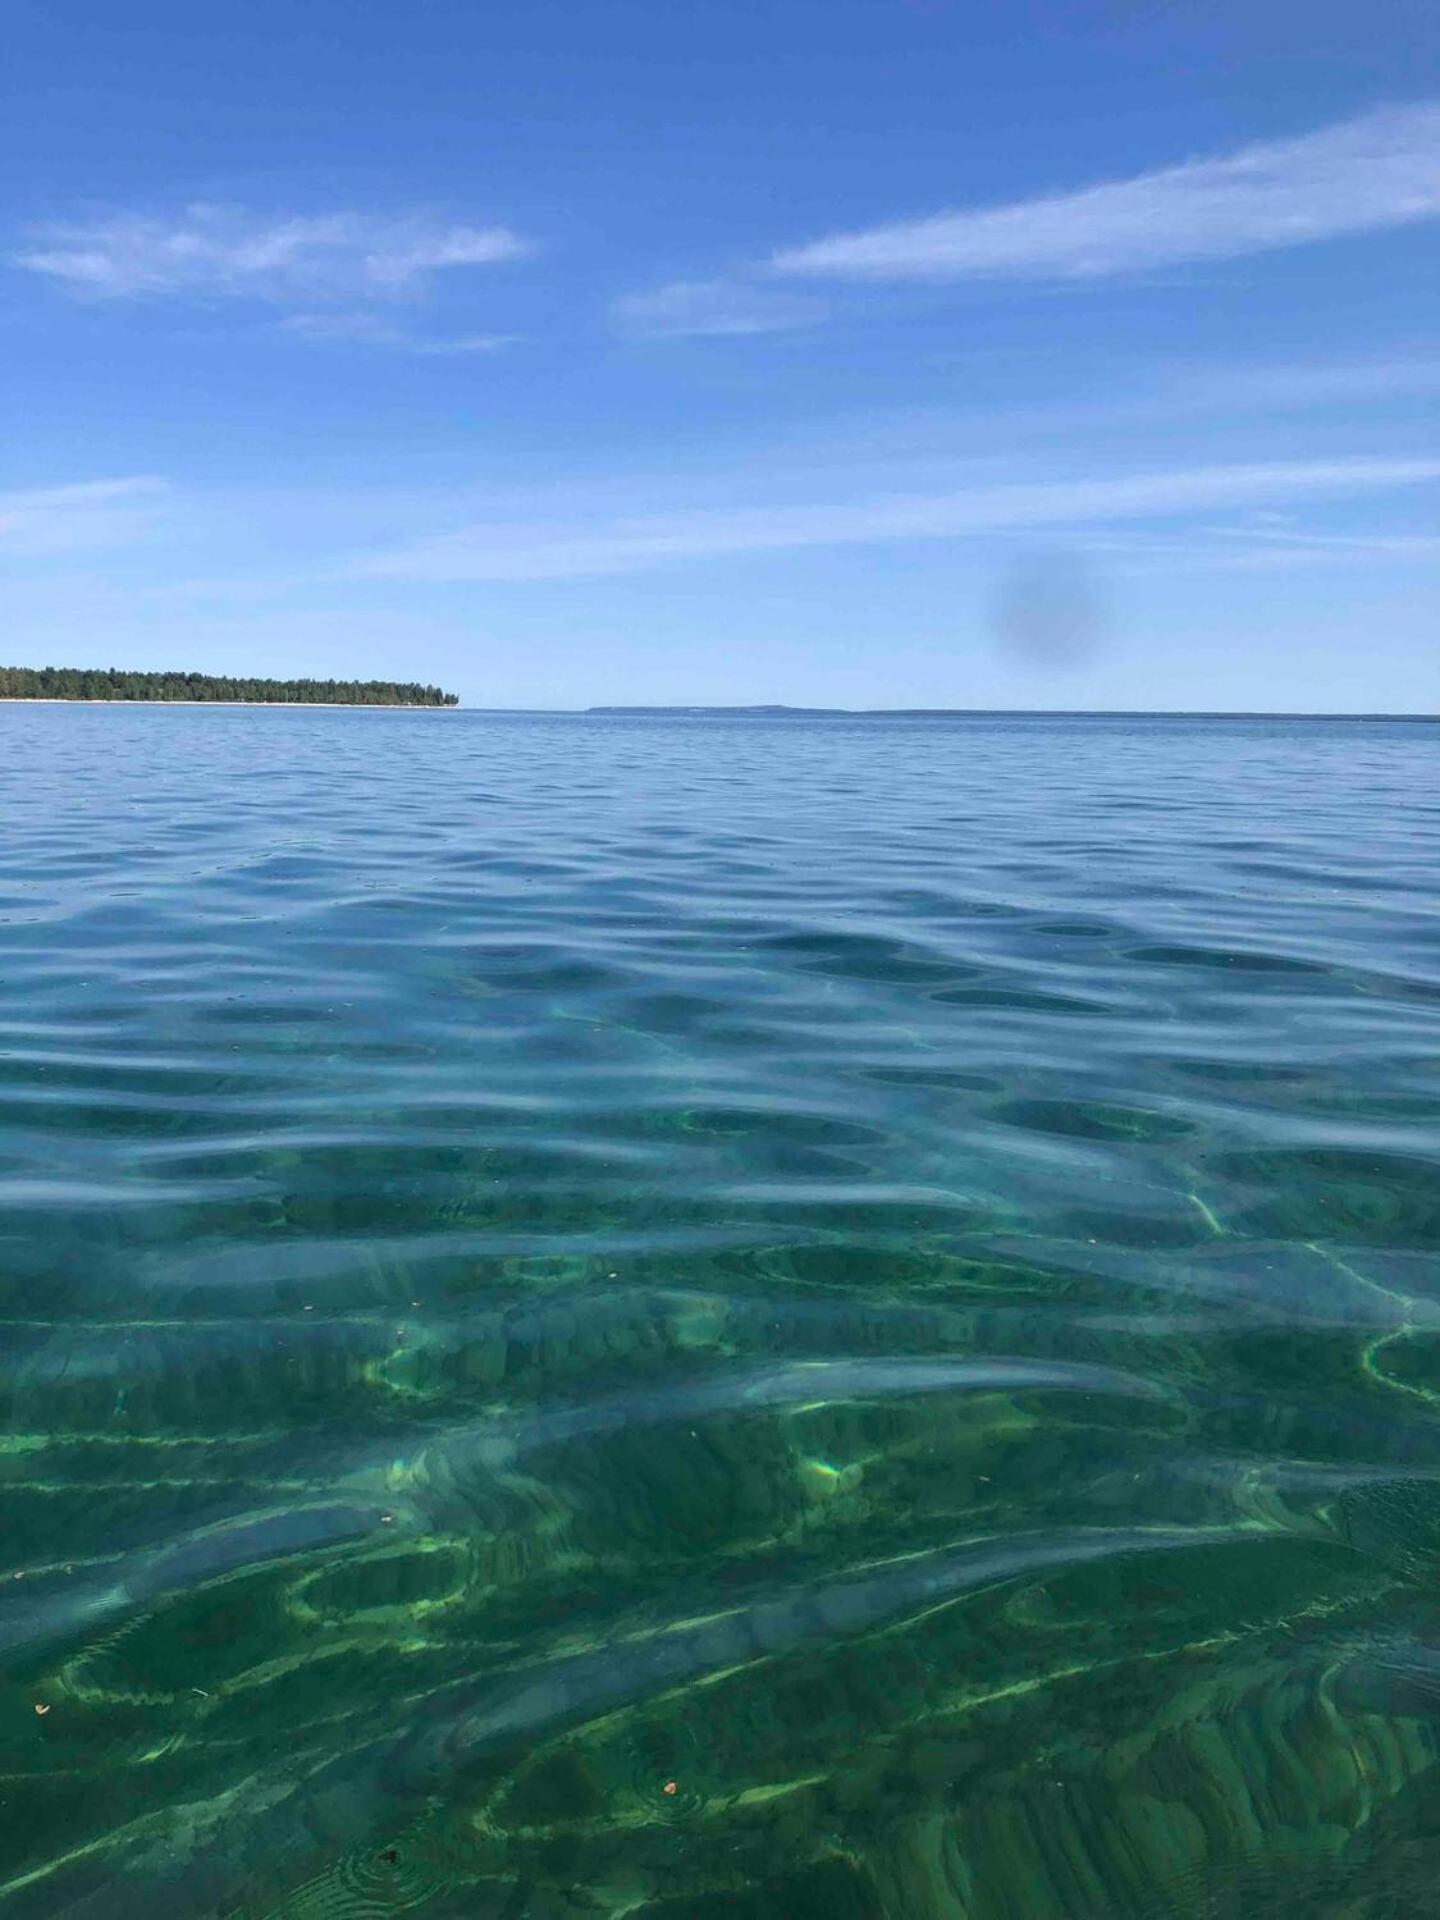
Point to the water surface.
(679, 1318)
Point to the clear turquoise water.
(683, 1318)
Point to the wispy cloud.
(1299, 384)
(465, 343)
(551, 550)
(714, 307)
(371, 329)
(1379, 170)
(95, 513)
(214, 252)
(1368, 546)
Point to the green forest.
(112, 683)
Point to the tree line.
(112, 683)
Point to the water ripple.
(699, 1317)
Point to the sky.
(867, 353)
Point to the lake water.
(679, 1318)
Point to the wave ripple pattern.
(710, 1319)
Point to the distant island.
(113, 683)
(984, 713)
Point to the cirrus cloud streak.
(218, 252)
(1377, 171)
(40, 521)
(720, 307)
(556, 551)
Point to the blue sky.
(895, 352)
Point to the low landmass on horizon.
(772, 711)
(113, 683)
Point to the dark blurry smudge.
(1050, 611)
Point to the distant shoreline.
(965, 713)
(746, 713)
(309, 706)
(169, 687)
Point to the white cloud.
(224, 252)
(1248, 548)
(566, 550)
(95, 513)
(1369, 546)
(371, 329)
(1361, 175)
(356, 328)
(714, 307)
(465, 343)
(1306, 383)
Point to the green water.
(682, 1318)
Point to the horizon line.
(763, 710)
(759, 710)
